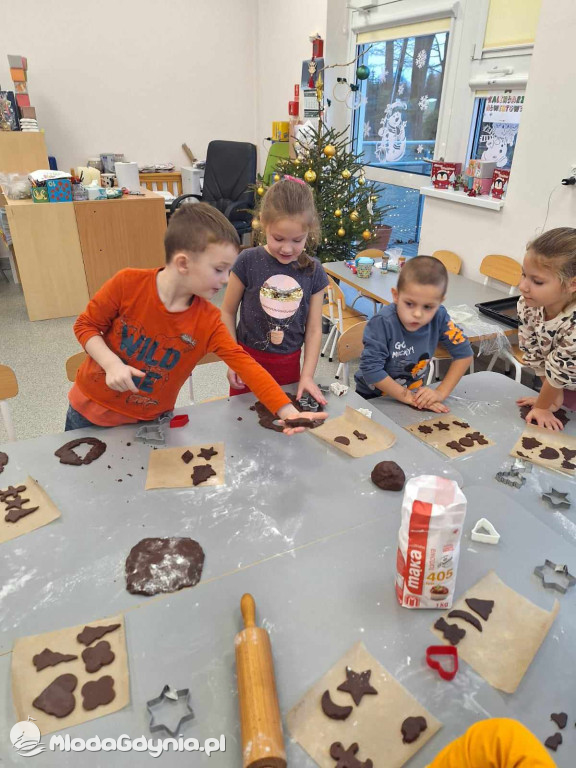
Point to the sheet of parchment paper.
(378, 438)
(166, 469)
(27, 683)
(375, 724)
(509, 640)
(46, 512)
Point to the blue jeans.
(75, 420)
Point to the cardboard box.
(40, 195)
(481, 169)
(28, 112)
(499, 183)
(17, 75)
(23, 100)
(443, 174)
(59, 190)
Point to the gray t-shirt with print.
(276, 298)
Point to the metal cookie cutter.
(485, 532)
(511, 477)
(560, 571)
(150, 435)
(557, 499)
(170, 694)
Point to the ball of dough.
(388, 476)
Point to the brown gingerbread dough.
(57, 698)
(467, 442)
(89, 634)
(452, 632)
(530, 442)
(442, 425)
(412, 727)
(266, 418)
(568, 454)
(334, 711)
(68, 455)
(560, 718)
(97, 656)
(467, 617)
(455, 445)
(299, 421)
(99, 692)
(163, 565)
(360, 435)
(207, 453)
(482, 607)
(201, 473)
(425, 429)
(187, 457)
(463, 424)
(346, 758)
(342, 439)
(560, 414)
(549, 453)
(388, 476)
(553, 742)
(50, 658)
(3, 461)
(357, 684)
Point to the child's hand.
(306, 384)
(425, 398)
(289, 412)
(119, 377)
(234, 380)
(526, 401)
(544, 418)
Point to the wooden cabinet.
(115, 234)
(66, 251)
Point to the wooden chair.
(501, 268)
(209, 358)
(513, 356)
(369, 253)
(171, 182)
(73, 363)
(451, 261)
(8, 389)
(350, 346)
(340, 316)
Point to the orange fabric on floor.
(496, 743)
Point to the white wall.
(137, 76)
(283, 31)
(545, 151)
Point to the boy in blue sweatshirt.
(401, 339)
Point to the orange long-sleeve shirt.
(136, 326)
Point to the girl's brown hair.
(287, 199)
(556, 250)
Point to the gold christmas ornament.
(337, 213)
(374, 198)
(255, 223)
(341, 232)
(366, 234)
(329, 150)
(310, 176)
(362, 181)
(354, 215)
(260, 191)
(276, 177)
(297, 161)
(346, 173)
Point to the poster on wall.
(499, 128)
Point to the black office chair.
(230, 168)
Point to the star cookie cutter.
(559, 570)
(442, 650)
(170, 694)
(511, 477)
(485, 532)
(557, 499)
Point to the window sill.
(483, 201)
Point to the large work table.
(300, 526)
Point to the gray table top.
(300, 526)
(461, 290)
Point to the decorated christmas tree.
(346, 201)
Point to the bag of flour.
(433, 511)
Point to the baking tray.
(503, 310)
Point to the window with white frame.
(395, 125)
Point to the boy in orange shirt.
(146, 329)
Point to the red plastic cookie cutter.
(179, 421)
(442, 650)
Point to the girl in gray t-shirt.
(280, 291)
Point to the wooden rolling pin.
(260, 721)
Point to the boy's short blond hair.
(193, 227)
(423, 270)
